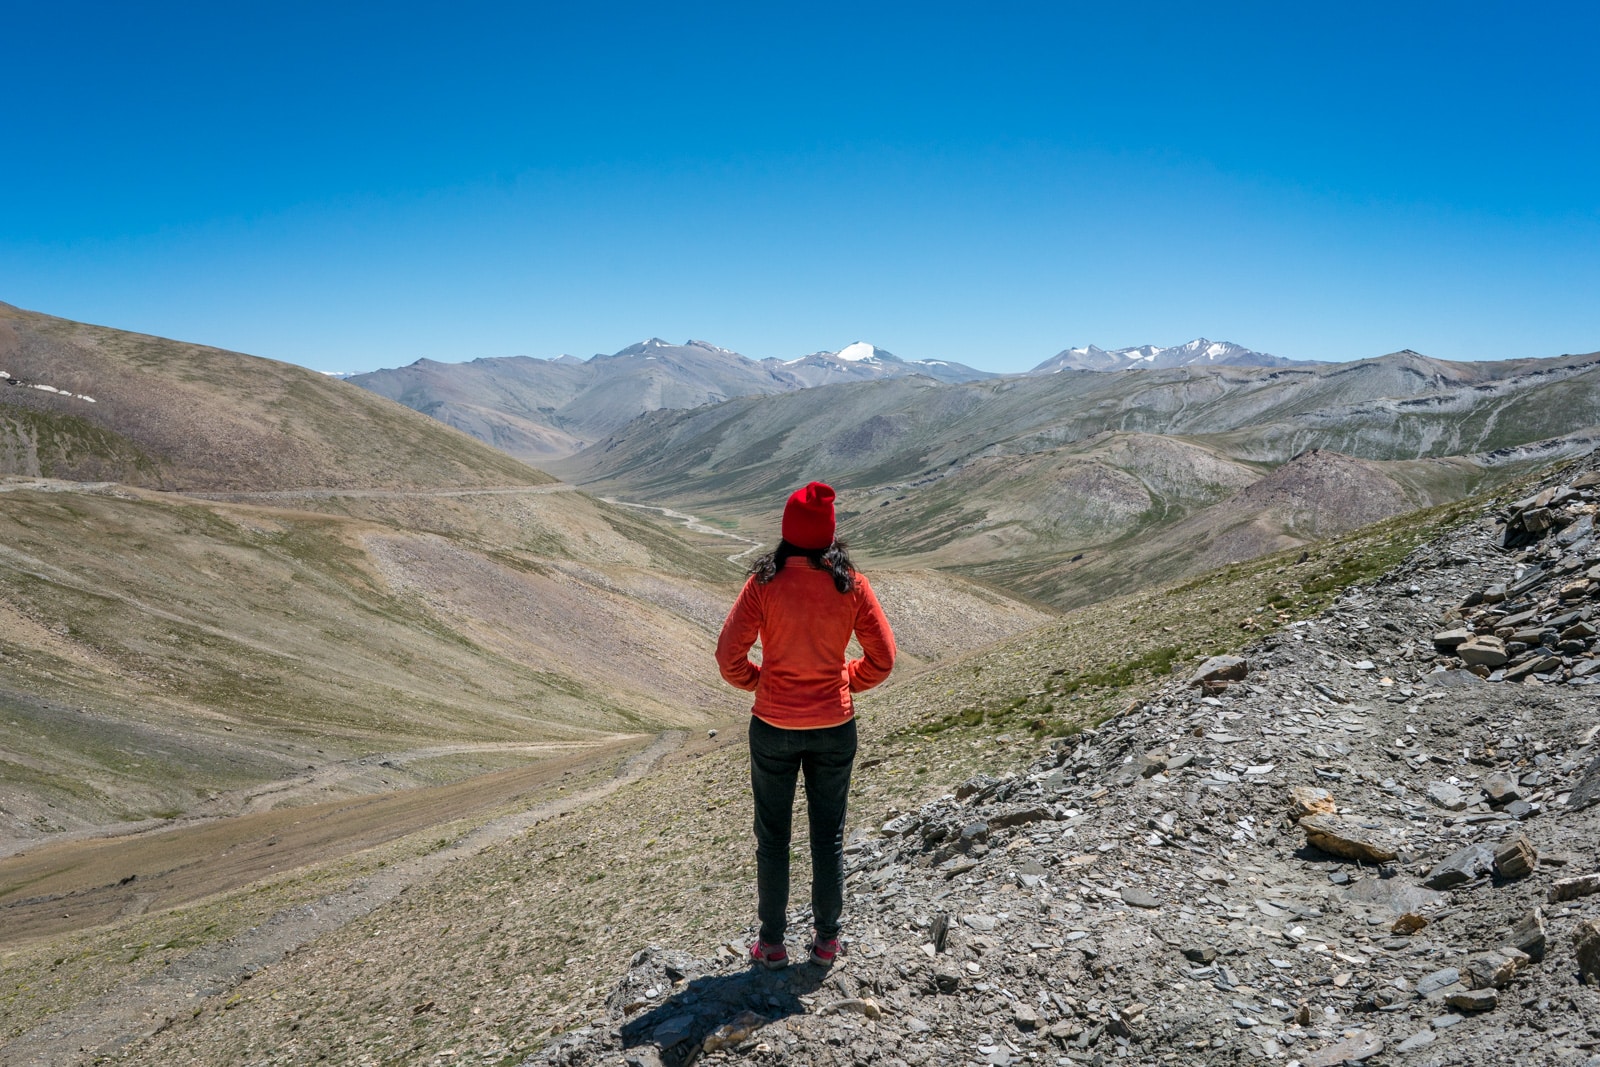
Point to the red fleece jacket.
(804, 624)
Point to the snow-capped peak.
(1199, 351)
(855, 353)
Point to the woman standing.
(803, 601)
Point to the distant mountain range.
(1070, 487)
(1199, 352)
(539, 409)
(546, 409)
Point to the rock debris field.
(1370, 839)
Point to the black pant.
(776, 757)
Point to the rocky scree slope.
(1342, 847)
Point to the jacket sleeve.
(739, 633)
(877, 642)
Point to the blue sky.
(363, 188)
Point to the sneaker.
(824, 952)
(771, 956)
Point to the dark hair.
(833, 559)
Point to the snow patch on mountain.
(5, 376)
(857, 352)
(1156, 357)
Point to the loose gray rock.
(1461, 867)
(1421, 1039)
(1587, 791)
(1356, 1049)
(1529, 935)
(1447, 796)
(1437, 981)
(1586, 948)
(1494, 970)
(1501, 788)
(1140, 898)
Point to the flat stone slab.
(1140, 898)
(1351, 838)
(1356, 1049)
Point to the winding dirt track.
(693, 523)
(145, 1006)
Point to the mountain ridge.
(538, 410)
(1008, 479)
(1199, 352)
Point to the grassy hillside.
(160, 651)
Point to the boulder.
(1351, 838)
(1495, 970)
(1310, 800)
(1450, 640)
(1573, 888)
(1220, 669)
(1516, 858)
(1483, 651)
(1447, 796)
(1502, 788)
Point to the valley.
(330, 732)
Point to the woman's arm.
(877, 641)
(739, 633)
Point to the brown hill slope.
(142, 410)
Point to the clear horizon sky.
(358, 186)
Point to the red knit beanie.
(808, 517)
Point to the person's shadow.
(676, 1028)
